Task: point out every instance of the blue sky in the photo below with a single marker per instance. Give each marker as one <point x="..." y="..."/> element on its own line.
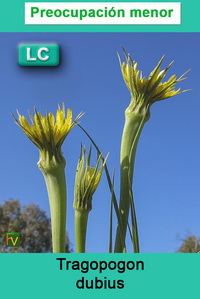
<point x="167" y="169"/>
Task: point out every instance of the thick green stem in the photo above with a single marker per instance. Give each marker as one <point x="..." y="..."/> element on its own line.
<point x="81" y="218"/>
<point x="134" y="122"/>
<point x="56" y="187"/>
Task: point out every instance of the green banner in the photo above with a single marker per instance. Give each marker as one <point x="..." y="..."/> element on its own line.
<point x="13" y="20"/>
<point x="100" y="275"/>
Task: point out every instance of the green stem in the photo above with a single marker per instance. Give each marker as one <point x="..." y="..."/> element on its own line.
<point x="56" y="188"/>
<point x="81" y="218"/>
<point x="134" y="122"/>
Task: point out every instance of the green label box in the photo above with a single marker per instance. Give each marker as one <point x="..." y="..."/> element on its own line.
<point x="12" y="239"/>
<point x="38" y="55"/>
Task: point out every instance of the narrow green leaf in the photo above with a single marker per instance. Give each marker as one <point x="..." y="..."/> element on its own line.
<point x="111" y="217"/>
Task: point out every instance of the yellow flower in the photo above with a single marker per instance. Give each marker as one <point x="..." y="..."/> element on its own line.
<point x="87" y="180"/>
<point x="48" y="132"/>
<point x="146" y="91"/>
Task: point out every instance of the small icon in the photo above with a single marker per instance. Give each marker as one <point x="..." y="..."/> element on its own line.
<point x="12" y="239"/>
<point x="38" y="54"/>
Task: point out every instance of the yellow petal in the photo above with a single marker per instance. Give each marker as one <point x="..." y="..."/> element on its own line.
<point x="24" y="123"/>
<point x="60" y="118"/>
<point x="69" y="117"/>
<point x="51" y="120"/>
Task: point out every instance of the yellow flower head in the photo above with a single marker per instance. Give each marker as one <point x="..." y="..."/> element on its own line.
<point x="87" y="180"/>
<point x="146" y="91"/>
<point x="48" y="132"/>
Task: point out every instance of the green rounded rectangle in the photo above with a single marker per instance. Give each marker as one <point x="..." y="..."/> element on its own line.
<point x="38" y="55"/>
